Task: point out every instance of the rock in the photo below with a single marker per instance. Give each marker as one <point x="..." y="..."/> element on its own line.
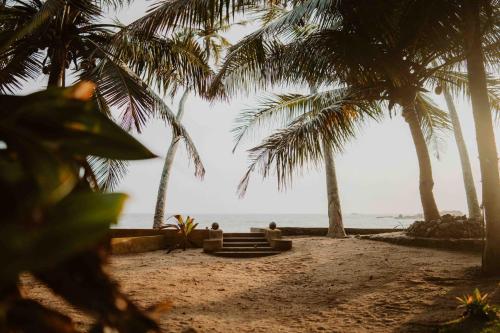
<point x="443" y="225"/>
<point x="448" y="227"/>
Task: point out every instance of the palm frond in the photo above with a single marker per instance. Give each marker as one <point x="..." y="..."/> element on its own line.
<point x="18" y="67"/>
<point x="300" y="143"/>
<point x="280" y="110"/>
<point x="47" y="10"/>
<point x="164" y="16"/>
<point x="108" y="173"/>
<point x="434" y="122"/>
<point x="163" y="62"/>
<point x="119" y="87"/>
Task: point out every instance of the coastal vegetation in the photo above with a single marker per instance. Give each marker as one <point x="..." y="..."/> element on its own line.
<point x="65" y="148"/>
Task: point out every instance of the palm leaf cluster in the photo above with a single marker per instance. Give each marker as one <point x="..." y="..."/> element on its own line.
<point x="69" y="37"/>
<point x="324" y="43"/>
<point x="306" y="120"/>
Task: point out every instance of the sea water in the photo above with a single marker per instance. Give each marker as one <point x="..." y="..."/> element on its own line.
<point x="243" y="222"/>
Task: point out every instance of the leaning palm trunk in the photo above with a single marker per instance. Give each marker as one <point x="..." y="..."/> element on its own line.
<point x="429" y="206"/>
<point x="159" y="216"/>
<point x="485" y="136"/>
<point x="335" y="223"/>
<point x="470" y="188"/>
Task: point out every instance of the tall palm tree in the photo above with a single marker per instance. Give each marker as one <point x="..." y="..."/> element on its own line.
<point x="470" y="188"/>
<point x="454" y="83"/>
<point x="213" y="44"/>
<point x="161" y="198"/>
<point x="71" y="41"/>
<point x="474" y="38"/>
<point x="335" y="220"/>
<point x="284" y="110"/>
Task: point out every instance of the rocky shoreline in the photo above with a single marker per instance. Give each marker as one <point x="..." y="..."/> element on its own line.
<point x="447" y="227"/>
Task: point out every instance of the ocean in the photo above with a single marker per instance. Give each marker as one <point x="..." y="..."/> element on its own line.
<point x="243" y="222"/>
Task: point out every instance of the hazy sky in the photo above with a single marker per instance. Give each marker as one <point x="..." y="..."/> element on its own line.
<point x="377" y="173"/>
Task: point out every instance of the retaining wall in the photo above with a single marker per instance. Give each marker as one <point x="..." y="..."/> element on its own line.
<point x="304" y="231"/>
<point x="143" y="240"/>
<point x="462" y="244"/>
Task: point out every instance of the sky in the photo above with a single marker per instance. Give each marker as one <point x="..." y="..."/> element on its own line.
<point x="377" y="172"/>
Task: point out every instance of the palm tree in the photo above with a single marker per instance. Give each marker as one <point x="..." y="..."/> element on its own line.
<point x="159" y="216"/>
<point x="69" y="39"/>
<point x="474" y="39"/>
<point x="335" y="221"/>
<point x="285" y="110"/>
<point x="470" y="188"/>
<point x="213" y="43"/>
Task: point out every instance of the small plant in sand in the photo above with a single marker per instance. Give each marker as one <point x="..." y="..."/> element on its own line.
<point x="184" y="228"/>
<point x="476" y="306"/>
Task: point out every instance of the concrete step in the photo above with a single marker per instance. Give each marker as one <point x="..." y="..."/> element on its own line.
<point x="243" y="234"/>
<point x="252" y="254"/>
<point x="246" y="249"/>
<point x="245" y="244"/>
<point x="244" y="239"/>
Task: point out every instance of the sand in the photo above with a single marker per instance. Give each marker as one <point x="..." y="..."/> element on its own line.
<point x="322" y="285"/>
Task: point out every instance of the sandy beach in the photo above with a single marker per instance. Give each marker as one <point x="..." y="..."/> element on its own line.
<point x="322" y="285"/>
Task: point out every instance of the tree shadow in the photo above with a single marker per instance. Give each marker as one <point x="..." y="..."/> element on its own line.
<point x="309" y="297"/>
<point x="438" y="312"/>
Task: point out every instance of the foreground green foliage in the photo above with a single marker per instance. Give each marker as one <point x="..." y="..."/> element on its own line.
<point x="479" y="316"/>
<point x="53" y="225"/>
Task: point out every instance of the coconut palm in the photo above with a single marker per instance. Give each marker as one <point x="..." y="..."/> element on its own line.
<point x="161" y="198"/>
<point x="474" y="33"/>
<point x="468" y="178"/>
<point x="72" y="42"/>
<point x="335" y="220"/>
<point x="213" y="43"/>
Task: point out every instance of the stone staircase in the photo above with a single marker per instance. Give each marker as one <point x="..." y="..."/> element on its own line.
<point x="245" y="245"/>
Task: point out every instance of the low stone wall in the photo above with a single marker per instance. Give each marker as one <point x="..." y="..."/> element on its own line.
<point x="115" y="233"/>
<point x="400" y="238"/>
<point x="303" y="231"/>
<point x="143" y="240"/>
<point x="124" y="245"/>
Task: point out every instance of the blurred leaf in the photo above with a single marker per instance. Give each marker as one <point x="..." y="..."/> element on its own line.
<point x="42" y="173"/>
<point x="42" y="319"/>
<point x="84" y="131"/>
<point x="74" y="224"/>
<point x="82" y="281"/>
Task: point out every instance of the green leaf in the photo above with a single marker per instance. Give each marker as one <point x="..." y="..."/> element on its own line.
<point x="82" y="131"/>
<point x="73" y="225"/>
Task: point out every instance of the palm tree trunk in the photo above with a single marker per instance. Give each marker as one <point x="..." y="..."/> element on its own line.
<point x="470" y="188"/>
<point x="335" y="223"/>
<point x="485" y="136"/>
<point x="159" y="216"/>
<point x="57" y="68"/>
<point x="429" y="206"/>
